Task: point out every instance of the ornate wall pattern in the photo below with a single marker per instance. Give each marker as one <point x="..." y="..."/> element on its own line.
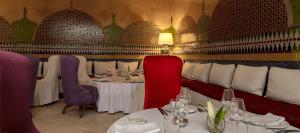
<point x="6" y="33"/>
<point x="140" y="33"/>
<point x="240" y="18"/>
<point x="69" y="26"/>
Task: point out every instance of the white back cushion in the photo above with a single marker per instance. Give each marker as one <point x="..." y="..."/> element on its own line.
<point x="187" y="70"/>
<point x="122" y="66"/>
<point x="201" y="72"/>
<point x="284" y="85"/>
<point x="89" y="67"/>
<point x="103" y="66"/>
<point x="221" y="74"/>
<point x="250" y="79"/>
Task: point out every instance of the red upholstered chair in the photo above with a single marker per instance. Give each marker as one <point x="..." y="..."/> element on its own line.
<point x="16" y="82"/>
<point x="162" y="80"/>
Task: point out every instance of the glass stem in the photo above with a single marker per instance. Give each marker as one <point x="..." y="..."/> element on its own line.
<point x="237" y="127"/>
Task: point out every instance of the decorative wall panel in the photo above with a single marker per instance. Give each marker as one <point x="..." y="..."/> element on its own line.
<point x="140" y="33"/>
<point x="69" y="26"/>
<point x="6" y="33"/>
<point x="239" y="18"/>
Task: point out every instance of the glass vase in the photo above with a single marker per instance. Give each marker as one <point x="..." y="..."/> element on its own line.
<point x="213" y="128"/>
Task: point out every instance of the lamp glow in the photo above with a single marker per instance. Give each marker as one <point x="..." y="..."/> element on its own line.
<point x="165" y="39"/>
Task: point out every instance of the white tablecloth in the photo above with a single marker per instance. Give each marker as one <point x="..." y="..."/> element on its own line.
<point x="116" y="95"/>
<point x="197" y="123"/>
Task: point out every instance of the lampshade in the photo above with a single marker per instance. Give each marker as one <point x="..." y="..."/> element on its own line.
<point x="165" y="39"/>
<point x="188" y="37"/>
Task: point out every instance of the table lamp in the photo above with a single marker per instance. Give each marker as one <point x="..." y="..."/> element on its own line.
<point x="165" y="39"/>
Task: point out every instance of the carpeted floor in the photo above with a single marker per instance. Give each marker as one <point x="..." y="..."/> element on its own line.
<point x="48" y="119"/>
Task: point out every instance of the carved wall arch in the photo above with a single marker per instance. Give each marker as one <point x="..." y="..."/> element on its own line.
<point x="69" y="26"/>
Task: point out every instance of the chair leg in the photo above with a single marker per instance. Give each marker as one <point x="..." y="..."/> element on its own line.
<point x="65" y="109"/>
<point x="81" y="111"/>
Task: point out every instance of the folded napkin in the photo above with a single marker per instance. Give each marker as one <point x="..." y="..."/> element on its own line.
<point x="137" y="79"/>
<point x="273" y="120"/>
<point x="267" y="120"/>
<point x="137" y="128"/>
<point x="102" y="80"/>
<point x="100" y="76"/>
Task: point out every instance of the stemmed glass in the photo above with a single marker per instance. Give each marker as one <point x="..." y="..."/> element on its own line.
<point x="237" y="111"/>
<point x="228" y="95"/>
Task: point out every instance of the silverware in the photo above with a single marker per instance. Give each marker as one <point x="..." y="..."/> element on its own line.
<point x="286" y="131"/>
<point x="201" y="108"/>
<point x="163" y="112"/>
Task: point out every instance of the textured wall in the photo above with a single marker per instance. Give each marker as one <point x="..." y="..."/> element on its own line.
<point x="232" y="18"/>
<point x="127" y="11"/>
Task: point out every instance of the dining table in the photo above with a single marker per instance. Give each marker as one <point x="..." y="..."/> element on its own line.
<point x="116" y="93"/>
<point x="197" y="123"/>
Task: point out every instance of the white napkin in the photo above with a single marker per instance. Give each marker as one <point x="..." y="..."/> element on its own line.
<point x="267" y="120"/>
<point x="137" y="128"/>
<point x="137" y="79"/>
<point x="273" y="120"/>
<point x="102" y="80"/>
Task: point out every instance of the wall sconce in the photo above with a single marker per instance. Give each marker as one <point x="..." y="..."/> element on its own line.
<point x="165" y="39"/>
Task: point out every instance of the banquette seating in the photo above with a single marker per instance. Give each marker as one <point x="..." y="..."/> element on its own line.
<point x="265" y="86"/>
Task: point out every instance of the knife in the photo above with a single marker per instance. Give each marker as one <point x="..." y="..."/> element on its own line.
<point x="162" y="111"/>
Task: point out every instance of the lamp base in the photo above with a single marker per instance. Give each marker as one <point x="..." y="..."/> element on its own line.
<point x="165" y="49"/>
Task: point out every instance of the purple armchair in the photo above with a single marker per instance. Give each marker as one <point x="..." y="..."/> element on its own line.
<point x="74" y="93"/>
<point x="16" y="79"/>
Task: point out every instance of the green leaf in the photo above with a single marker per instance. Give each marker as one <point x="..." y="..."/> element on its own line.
<point x="220" y="116"/>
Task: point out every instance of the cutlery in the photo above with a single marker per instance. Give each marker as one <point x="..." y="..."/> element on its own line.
<point x="163" y="112"/>
<point x="286" y="131"/>
<point x="201" y="108"/>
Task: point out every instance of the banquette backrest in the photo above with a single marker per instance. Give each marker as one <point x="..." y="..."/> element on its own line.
<point x="269" y="64"/>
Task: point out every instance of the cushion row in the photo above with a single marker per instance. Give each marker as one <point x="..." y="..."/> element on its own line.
<point x="282" y="85"/>
<point x="101" y="67"/>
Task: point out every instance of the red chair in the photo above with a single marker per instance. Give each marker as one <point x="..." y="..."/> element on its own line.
<point x="16" y="82"/>
<point x="162" y="80"/>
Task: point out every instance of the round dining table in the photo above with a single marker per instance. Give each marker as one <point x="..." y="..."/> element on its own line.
<point x="197" y="123"/>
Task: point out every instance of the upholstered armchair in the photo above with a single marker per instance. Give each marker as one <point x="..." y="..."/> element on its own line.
<point x="82" y="71"/>
<point x="74" y="93"/>
<point x="46" y="90"/>
<point x="16" y="82"/>
<point x="162" y="80"/>
<point x="35" y="68"/>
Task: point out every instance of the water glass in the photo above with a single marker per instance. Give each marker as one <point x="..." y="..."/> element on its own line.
<point x="228" y="95"/>
<point x="237" y="111"/>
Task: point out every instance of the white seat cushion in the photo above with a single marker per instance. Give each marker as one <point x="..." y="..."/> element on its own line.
<point x="187" y="70"/>
<point x="221" y="74"/>
<point x="250" y="79"/>
<point x="122" y="66"/>
<point x="102" y="67"/>
<point x="89" y="67"/>
<point x="284" y="85"/>
<point x="201" y="72"/>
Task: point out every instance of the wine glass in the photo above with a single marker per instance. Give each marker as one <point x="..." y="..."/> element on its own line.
<point x="228" y="95"/>
<point x="237" y="111"/>
<point x="109" y="73"/>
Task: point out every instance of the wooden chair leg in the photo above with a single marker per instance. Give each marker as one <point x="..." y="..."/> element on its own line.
<point x="81" y="111"/>
<point x="65" y="109"/>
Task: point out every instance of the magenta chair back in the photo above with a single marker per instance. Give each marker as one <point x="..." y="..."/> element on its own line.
<point x="16" y="82"/>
